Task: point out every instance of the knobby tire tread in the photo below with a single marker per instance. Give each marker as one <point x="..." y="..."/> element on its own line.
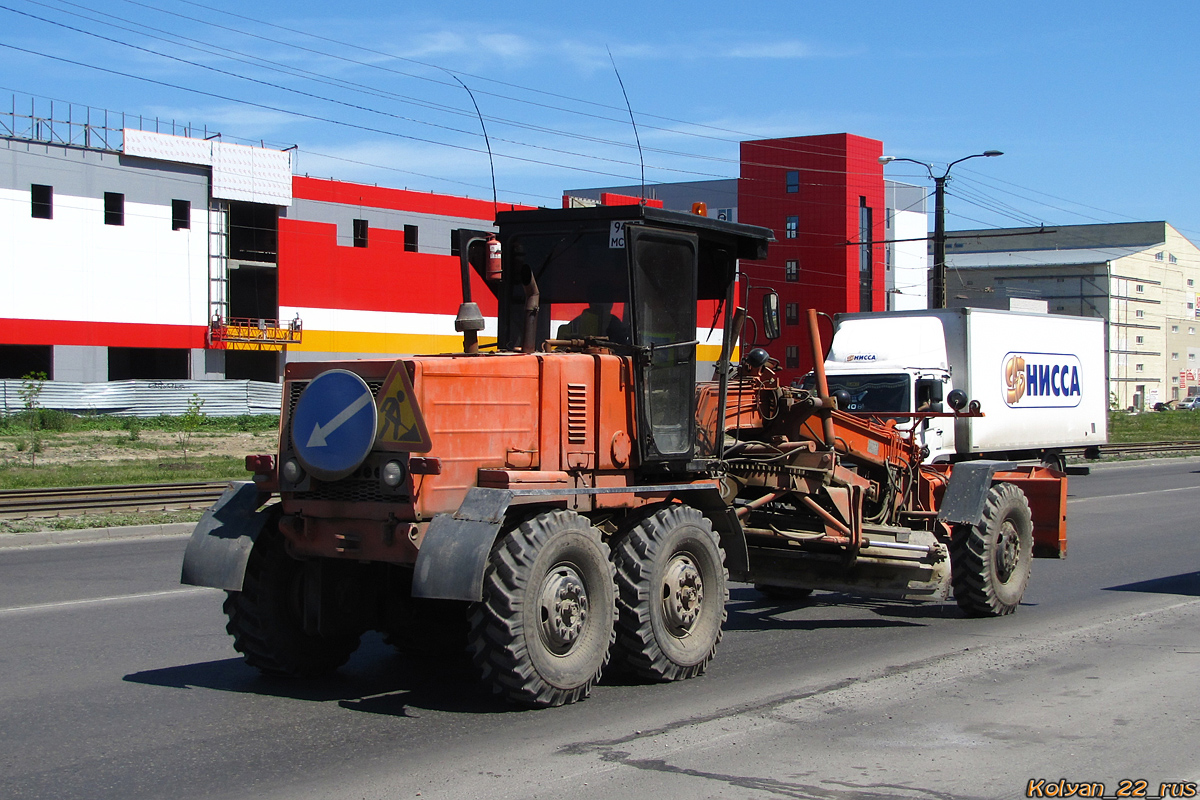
<point x="972" y="576"/>
<point x="499" y="643"/>
<point x="270" y="639"/>
<point x="637" y="648"/>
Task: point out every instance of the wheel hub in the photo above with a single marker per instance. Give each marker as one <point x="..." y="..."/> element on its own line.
<point x="683" y="594"/>
<point x="564" y="608"/>
<point x="1008" y="549"/>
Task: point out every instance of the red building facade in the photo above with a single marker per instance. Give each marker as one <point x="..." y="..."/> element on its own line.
<point x="823" y="196"/>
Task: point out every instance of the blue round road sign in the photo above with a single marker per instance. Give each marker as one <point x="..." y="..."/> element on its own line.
<point x="333" y="426"/>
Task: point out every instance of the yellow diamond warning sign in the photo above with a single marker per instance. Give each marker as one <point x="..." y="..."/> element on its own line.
<point x="400" y="426"/>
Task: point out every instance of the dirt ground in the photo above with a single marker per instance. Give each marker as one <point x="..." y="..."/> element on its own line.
<point x="115" y="446"/>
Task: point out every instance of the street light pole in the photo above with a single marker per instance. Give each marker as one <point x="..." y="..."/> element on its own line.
<point x="939" y="242"/>
<point x="939" y="222"/>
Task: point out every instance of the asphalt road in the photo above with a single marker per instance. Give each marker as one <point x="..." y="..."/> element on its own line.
<point x="116" y="682"/>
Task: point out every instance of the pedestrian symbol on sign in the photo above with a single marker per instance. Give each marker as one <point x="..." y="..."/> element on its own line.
<point x="401" y="426"/>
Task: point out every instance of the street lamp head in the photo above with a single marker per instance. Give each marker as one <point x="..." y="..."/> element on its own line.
<point x="991" y="153"/>
<point x="886" y="159"/>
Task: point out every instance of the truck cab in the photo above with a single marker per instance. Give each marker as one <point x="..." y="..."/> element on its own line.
<point x="880" y="371"/>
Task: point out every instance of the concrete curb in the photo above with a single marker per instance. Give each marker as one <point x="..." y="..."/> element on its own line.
<point x="37" y="538"/>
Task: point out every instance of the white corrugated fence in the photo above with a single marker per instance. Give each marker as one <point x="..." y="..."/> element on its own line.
<point x="141" y="398"/>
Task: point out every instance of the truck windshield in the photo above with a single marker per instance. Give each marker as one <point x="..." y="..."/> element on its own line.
<point x="869" y="393"/>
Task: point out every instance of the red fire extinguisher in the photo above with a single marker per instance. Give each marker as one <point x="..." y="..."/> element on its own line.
<point x="493" y="272"/>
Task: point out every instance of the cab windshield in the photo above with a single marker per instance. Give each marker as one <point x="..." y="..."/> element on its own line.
<point x="870" y="393"/>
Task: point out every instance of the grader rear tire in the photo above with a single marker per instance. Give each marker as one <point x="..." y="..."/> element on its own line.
<point x="265" y="617"/>
<point x="991" y="561"/>
<point x="672" y="591"/>
<point x="542" y="633"/>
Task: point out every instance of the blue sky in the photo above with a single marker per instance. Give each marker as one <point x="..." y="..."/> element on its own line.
<point x="1094" y="104"/>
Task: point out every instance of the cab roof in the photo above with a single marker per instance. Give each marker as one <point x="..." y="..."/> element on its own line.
<point x="750" y="241"/>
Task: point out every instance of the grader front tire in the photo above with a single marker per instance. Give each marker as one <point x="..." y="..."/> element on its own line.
<point x="542" y="633"/>
<point x="672" y="591"/>
<point x="991" y="561"/>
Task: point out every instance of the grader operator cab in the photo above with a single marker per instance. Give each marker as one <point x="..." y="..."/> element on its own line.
<point x="578" y="495"/>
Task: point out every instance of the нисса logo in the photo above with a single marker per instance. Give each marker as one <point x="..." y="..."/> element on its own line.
<point x="1041" y="380"/>
<point x="862" y="357"/>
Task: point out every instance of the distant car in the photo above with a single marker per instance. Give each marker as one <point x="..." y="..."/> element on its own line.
<point x="1189" y="403"/>
<point x="1167" y="406"/>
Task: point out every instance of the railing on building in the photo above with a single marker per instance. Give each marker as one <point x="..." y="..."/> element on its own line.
<point x="253" y="334"/>
<point x="75" y="125"/>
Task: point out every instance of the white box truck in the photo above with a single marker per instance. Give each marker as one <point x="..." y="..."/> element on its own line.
<point x="1039" y="378"/>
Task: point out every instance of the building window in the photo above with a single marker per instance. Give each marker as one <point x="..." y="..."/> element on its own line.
<point x="1139" y="288"/>
<point x="1191" y="306"/>
<point x="1191" y="282"/>
<point x="410" y="238"/>
<point x="1191" y="356"/>
<point x="1191" y="331"/>
<point x="1174" y="329"/>
<point x="791" y="271"/>
<point x="792" y="357"/>
<point x="1174" y="356"/>
<point x="793" y="225"/>
<point x="360" y="234"/>
<point x="1139" y="339"/>
<point x="1140" y="314"/>
<point x="791" y="313"/>
<point x="114" y="208"/>
<point x="793" y="181"/>
<point x="181" y="215"/>
<point x="1138" y="368"/>
<point x="41" y="200"/>
<point x="1158" y="256"/>
<point x="1171" y="258"/>
<point x="866" y="263"/>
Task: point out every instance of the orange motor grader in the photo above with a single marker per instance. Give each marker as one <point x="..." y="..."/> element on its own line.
<point x="577" y="495"/>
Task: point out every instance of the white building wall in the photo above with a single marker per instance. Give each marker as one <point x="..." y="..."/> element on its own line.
<point x="906" y="251"/>
<point x="74" y="267"/>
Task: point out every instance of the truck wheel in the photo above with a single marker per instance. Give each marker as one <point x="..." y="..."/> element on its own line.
<point x="542" y="633"/>
<point x="990" y="561"/>
<point x="671" y="594"/>
<point x="265" y="617"/>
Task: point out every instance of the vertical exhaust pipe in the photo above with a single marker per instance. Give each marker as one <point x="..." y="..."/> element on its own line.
<point x="818" y="356"/>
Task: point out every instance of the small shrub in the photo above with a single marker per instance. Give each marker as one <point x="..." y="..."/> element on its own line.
<point x="31" y="389"/>
<point x="190" y="421"/>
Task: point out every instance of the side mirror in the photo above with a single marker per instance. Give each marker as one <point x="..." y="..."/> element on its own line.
<point x="771" y="316"/>
<point x="929" y="394"/>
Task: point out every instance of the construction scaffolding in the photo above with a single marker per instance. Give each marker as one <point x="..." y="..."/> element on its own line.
<point x="253" y="334"/>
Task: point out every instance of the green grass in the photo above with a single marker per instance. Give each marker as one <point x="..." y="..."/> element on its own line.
<point x="1154" y="426"/>
<point x="85" y="521"/>
<point x="51" y="420"/>
<point x="156" y="470"/>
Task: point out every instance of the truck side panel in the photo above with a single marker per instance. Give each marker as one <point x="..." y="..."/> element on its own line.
<point x="1039" y="378"/>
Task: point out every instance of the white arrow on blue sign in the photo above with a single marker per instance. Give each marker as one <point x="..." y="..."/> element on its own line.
<point x="333" y="425"/>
